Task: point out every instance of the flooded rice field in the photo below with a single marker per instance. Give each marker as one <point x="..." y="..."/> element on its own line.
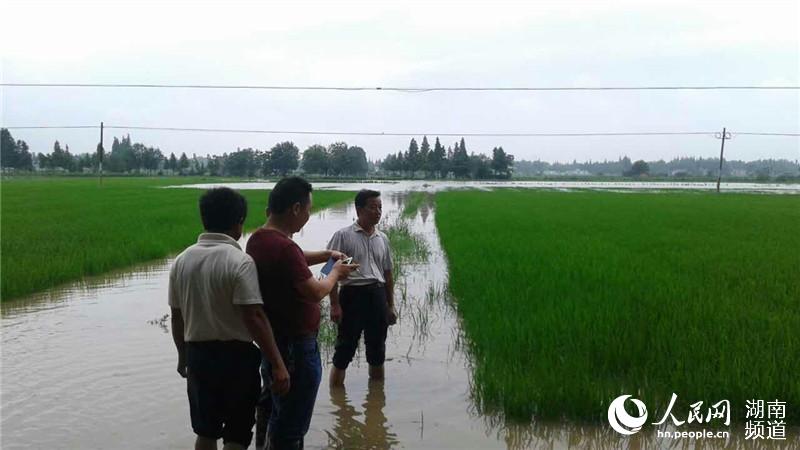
<point x="617" y="186"/>
<point x="93" y="366"/>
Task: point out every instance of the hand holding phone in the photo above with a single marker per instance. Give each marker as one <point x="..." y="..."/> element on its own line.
<point x="326" y="270"/>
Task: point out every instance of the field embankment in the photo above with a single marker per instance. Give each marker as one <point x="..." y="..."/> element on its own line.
<point x="56" y="230"/>
<point x="569" y="300"/>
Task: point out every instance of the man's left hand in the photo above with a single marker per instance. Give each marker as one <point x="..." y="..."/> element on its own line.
<point x="391" y="316"/>
<point x="182" y="366"/>
<point x="337" y="255"/>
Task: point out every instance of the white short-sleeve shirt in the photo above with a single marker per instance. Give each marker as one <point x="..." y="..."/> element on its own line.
<point x="208" y="282"/>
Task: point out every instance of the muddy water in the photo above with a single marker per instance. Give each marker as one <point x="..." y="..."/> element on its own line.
<point x="93" y="366"/>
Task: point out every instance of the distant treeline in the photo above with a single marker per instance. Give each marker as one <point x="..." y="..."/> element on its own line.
<point x="438" y="162"/>
<point x="337" y="160"/>
<point x="128" y="157"/>
<point x="678" y="167"/>
<point x="342" y="160"/>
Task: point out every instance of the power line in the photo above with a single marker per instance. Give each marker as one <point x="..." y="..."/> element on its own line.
<point x="765" y="134"/>
<point x="400" y="89"/>
<point x="385" y="133"/>
<point x="65" y="127"/>
<point x="380" y="133"/>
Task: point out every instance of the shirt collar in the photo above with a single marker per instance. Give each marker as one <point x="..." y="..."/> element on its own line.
<point x="358" y="228"/>
<point x="217" y="238"/>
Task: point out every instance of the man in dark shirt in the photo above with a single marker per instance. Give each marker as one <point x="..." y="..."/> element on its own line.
<point x="291" y="300"/>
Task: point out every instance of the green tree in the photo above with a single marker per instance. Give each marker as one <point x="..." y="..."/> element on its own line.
<point x="638" y="169"/>
<point x="8" y="149"/>
<point x="345" y="160"/>
<point x="316" y="160"/>
<point x="412" y="157"/>
<point x="460" y="163"/>
<point x="480" y="167"/>
<point x="183" y="163"/>
<point x="338" y="157"/>
<point x="436" y="160"/>
<point x="242" y="163"/>
<point x="172" y="162"/>
<point x="123" y="156"/>
<point x="151" y="159"/>
<point x="215" y="165"/>
<point x="501" y="163"/>
<point x="424" y="154"/>
<point x="357" y="161"/>
<point x="14" y="154"/>
<point x="61" y="158"/>
<point x="284" y="157"/>
<point x="24" y="156"/>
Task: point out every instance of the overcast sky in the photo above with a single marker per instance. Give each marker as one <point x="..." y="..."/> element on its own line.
<point x="408" y="44"/>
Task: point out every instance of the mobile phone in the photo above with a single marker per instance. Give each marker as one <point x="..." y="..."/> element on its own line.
<point x="331" y="261"/>
<point x="328" y="266"/>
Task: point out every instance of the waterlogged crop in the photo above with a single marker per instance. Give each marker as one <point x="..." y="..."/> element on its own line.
<point x="569" y="300"/>
<point x="56" y="230"/>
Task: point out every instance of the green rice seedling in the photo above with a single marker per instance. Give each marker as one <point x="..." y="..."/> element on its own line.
<point x="412" y="203"/>
<point x="406" y="245"/>
<point x="569" y="300"/>
<point x="56" y="230"/>
<point x="327" y="332"/>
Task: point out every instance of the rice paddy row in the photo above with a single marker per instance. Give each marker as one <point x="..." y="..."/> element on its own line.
<point x="57" y="230"/>
<point x="569" y="300"/>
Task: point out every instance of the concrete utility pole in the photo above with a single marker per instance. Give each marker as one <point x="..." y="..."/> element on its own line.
<point x="101" y="154"/>
<point x="723" y="136"/>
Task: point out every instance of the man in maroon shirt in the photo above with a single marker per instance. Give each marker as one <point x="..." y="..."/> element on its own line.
<point x="291" y="300"/>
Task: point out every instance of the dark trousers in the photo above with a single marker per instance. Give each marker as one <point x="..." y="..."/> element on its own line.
<point x="290" y="414"/>
<point x="364" y="309"/>
<point x="223" y="386"/>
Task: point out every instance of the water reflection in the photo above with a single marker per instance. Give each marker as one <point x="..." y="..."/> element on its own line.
<point x="369" y="429"/>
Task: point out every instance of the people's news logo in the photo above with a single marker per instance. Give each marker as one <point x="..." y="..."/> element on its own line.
<point x="621" y="421"/>
<point x="765" y="420"/>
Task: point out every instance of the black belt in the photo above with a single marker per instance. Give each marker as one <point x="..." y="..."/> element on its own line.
<point x="374" y="285"/>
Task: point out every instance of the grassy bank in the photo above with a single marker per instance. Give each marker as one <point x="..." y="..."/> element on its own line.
<point x="56" y="230"/>
<point x="569" y="300"/>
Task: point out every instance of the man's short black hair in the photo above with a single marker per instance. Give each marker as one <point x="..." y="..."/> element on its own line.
<point x="221" y="209"/>
<point x="286" y="193"/>
<point x="364" y="195"/>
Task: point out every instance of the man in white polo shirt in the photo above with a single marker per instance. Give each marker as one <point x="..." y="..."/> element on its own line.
<point x="216" y="314"/>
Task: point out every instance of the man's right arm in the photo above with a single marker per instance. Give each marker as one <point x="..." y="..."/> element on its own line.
<point x="177" y="337"/>
<point x="256" y="322"/>
<point x="176" y="320"/>
<point x="316" y="290"/>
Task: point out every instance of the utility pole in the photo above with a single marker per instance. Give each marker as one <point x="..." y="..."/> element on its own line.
<point x="723" y="136"/>
<point x="101" y="153"/>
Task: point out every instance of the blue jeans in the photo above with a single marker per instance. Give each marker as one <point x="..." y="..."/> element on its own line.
<point x="290" y="414"/>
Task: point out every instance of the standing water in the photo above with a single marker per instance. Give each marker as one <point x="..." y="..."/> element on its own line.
<point x="93" y="366"/>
